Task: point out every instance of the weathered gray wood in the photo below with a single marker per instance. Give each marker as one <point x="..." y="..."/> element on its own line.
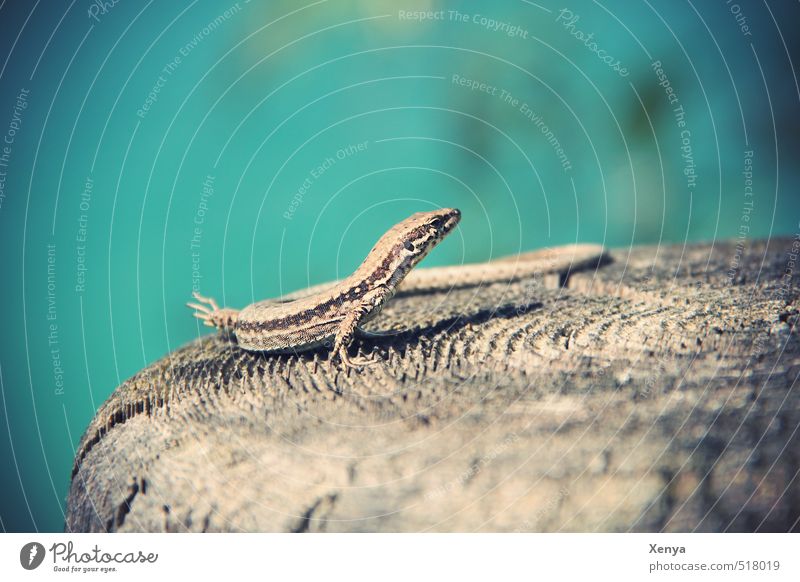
<point x="656" y="392"/>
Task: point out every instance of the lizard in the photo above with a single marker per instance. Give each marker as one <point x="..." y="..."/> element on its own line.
<point x="337" y="310"/>
<point x="311" y="321"/>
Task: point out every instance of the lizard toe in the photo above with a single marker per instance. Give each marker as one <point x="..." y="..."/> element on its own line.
<point x="366" y="361"/>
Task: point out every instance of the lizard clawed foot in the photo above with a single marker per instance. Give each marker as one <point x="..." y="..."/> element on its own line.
<point x="349" y="362"/>
<point x="212" y="314"/>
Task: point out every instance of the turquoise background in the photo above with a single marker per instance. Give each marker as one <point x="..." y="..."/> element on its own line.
<point x="267" y="92"/>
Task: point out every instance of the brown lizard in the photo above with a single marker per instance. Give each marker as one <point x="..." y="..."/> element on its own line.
<point x="336" y="312"/>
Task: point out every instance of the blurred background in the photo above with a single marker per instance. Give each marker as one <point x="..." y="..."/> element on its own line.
<point x="247" y="149"/>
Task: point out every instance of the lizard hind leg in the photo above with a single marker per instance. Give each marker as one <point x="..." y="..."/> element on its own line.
<point x="212" y="314"/>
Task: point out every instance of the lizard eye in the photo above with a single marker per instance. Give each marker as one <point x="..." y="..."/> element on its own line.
<point x="409" y="246"/>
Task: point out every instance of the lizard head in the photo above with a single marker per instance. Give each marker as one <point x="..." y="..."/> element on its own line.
<point x="409" y="241"/>
<point x="427" y="229"/>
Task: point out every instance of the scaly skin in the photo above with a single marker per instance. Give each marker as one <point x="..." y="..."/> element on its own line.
<point x="338" y="311"/>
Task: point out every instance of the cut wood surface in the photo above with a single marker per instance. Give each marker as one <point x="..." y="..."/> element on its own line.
<point x="654" y="391"/>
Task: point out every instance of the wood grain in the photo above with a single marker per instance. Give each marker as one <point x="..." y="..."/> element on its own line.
<point x="652" y="392"/>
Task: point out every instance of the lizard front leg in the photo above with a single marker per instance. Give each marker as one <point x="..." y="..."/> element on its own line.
<point x="347" y="329"/>
<point x="212" y="314"/>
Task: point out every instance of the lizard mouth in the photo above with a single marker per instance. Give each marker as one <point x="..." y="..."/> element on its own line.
<point x="450" y="220"/>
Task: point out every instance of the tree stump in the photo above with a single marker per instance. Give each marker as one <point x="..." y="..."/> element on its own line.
<point x="654" y="391"/>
